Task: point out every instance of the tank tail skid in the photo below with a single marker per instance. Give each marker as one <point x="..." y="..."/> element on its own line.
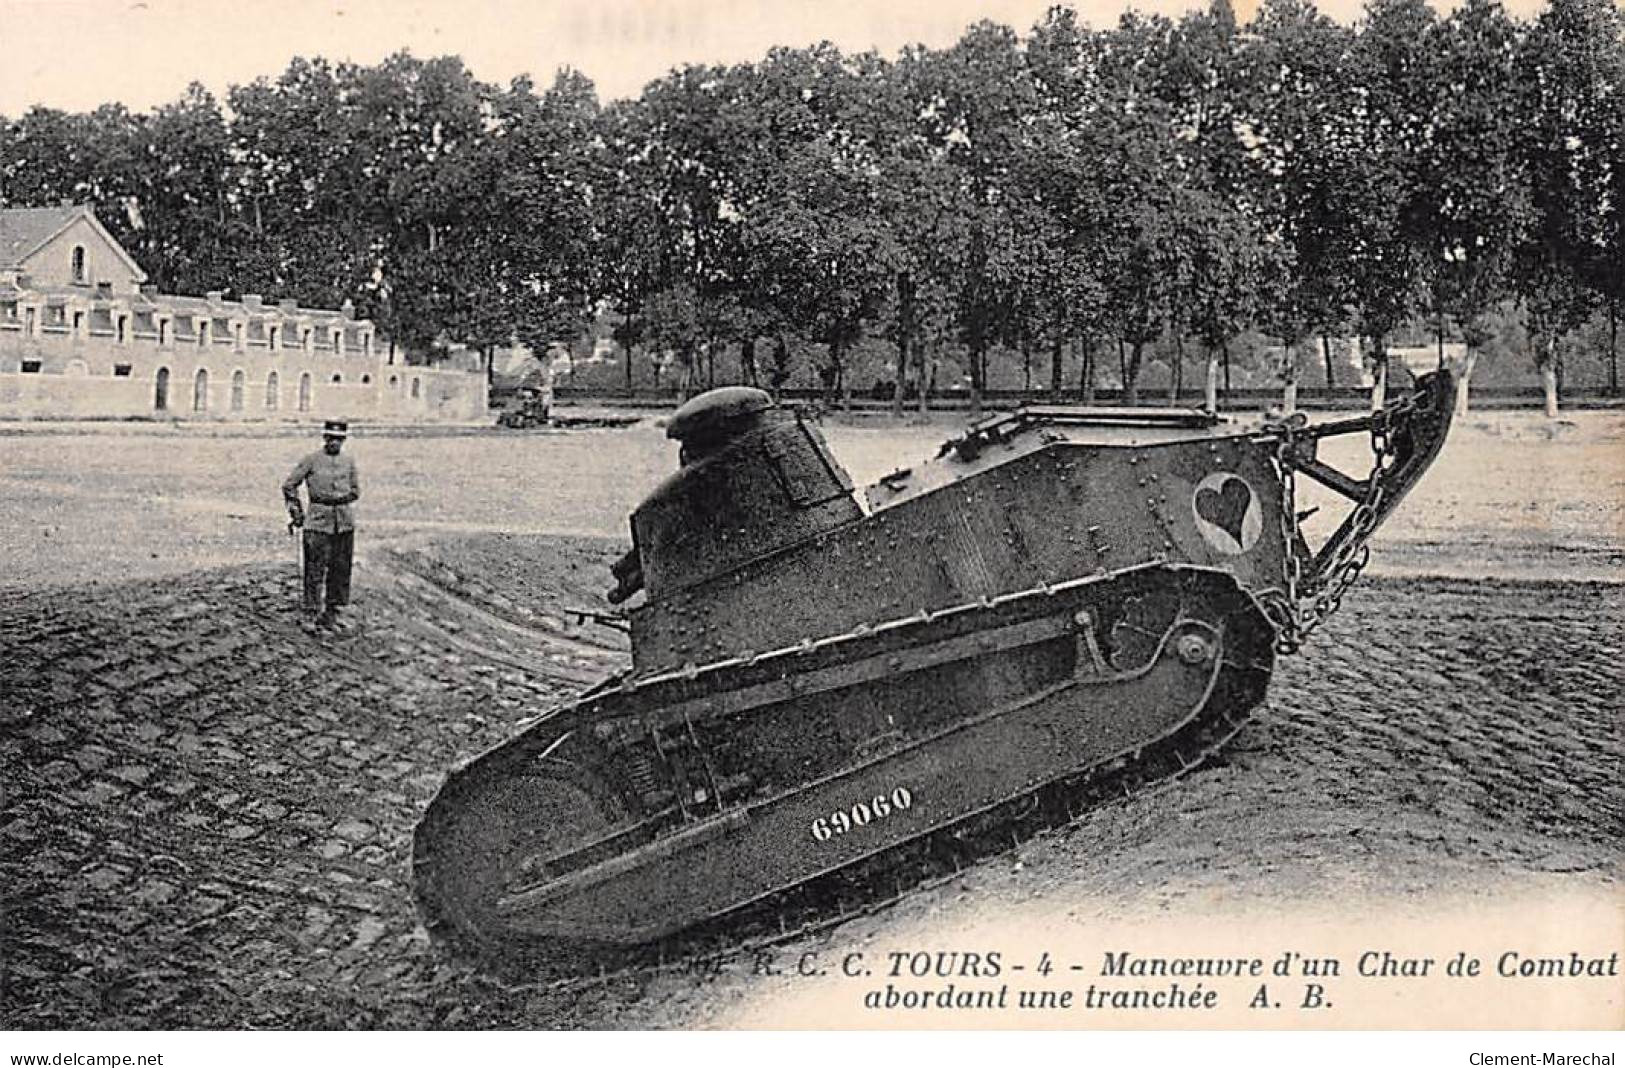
<point x="538" y="850"/>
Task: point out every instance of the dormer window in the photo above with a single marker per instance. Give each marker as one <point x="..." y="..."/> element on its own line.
<point x="79" y="276"/>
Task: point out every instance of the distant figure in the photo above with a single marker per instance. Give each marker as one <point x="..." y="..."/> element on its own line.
<point x="329" y="529"/>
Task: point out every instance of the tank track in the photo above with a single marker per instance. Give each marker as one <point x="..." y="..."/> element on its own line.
<point x="881" y="880"/>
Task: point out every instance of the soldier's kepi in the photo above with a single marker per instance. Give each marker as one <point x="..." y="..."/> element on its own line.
<point x="333" y="484"/>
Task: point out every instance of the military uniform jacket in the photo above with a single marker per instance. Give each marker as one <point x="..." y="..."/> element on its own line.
<point x="332" y="483"/>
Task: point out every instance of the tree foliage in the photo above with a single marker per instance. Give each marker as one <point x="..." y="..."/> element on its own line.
<point x="1068" y="189"/>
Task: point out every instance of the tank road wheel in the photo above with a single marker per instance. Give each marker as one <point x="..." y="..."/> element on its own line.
<point x="490" y="832"/>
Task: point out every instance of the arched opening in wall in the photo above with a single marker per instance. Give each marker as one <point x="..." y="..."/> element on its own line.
<point x="237" y="381"/>
<point x="304" y="392"/>
<point x="200" y="391"/>
<point x="79" y="275"/>
<point x="417" y="388"/>
<point x="160" y="390"/>
<point x="275" y="338"/>
<point x="366" y="380"/>
<point x="273" y="391"/>
<point x="338" y="380"/>
<point x="394" y="382"/>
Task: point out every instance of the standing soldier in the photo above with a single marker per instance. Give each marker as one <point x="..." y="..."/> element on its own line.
<point x="329" y="529"/>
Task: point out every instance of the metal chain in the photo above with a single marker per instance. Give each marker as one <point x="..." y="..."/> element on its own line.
<point x="1304" y="606"/>
<point x="1282" y="608"/>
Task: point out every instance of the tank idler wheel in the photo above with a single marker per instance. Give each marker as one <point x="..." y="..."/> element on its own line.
<point x="488" y="835"/>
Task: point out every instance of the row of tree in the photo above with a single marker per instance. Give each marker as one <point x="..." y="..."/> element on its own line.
<point x="1099" y="191"/>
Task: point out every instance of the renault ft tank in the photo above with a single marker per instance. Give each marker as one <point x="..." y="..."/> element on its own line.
<point x="832" y="689"/>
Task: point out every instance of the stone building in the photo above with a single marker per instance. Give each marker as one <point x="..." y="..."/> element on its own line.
<point x="82" y="334"/>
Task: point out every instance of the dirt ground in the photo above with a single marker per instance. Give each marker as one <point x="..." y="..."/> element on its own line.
<point x="1511" y="495"/>
<point x="206" y="814"/>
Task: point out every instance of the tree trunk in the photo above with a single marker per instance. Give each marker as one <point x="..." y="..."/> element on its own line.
<point x="1026" y="366"/>
<point x="1438" y="330"/>
<point x="1548" y="378"/>
<point x="1464" y="381"/>
<point x="1176" y="381"/>
<point x="1379" y="374"/>
<point x="1131" y="373"/>
<point x="1289" y="378"/>
<point x="1056" y="348"/>
<point x="747" y="360"/>
<point x="905" y="339"/>
<point x="1089" y="376"/>
<point x="1225" y="349"/>
<point x="628" y="345"/>
<point x="685" y="385"/>
<point x="547" y="386"/>
<point x="1613" y="347"/>
<point x="1210" y="394"/>
<point x="976" y="382"/>
<point x="901" y="377"/>
<point x="923" y="361"/>
<point x="1326" y="354"/>
<point x="1122" y="369"/>
<point x="781" y="364"/>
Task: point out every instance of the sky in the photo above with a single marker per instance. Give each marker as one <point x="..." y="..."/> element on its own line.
<point x="78" y="54"/>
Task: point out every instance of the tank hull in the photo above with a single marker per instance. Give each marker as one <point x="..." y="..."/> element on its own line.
<point x="923" y="724"/>
<point x="1038" y="509"/>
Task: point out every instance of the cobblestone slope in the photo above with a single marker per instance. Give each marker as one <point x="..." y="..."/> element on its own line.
<point x="207" y="811"/>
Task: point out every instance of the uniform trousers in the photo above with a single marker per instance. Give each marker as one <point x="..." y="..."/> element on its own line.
<point x="327" y="564"/>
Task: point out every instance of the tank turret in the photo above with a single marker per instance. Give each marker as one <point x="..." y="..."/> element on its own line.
<point x="753" y="478"/>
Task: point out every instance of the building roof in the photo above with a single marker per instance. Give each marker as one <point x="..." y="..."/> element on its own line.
<point x="24" y="230"/>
